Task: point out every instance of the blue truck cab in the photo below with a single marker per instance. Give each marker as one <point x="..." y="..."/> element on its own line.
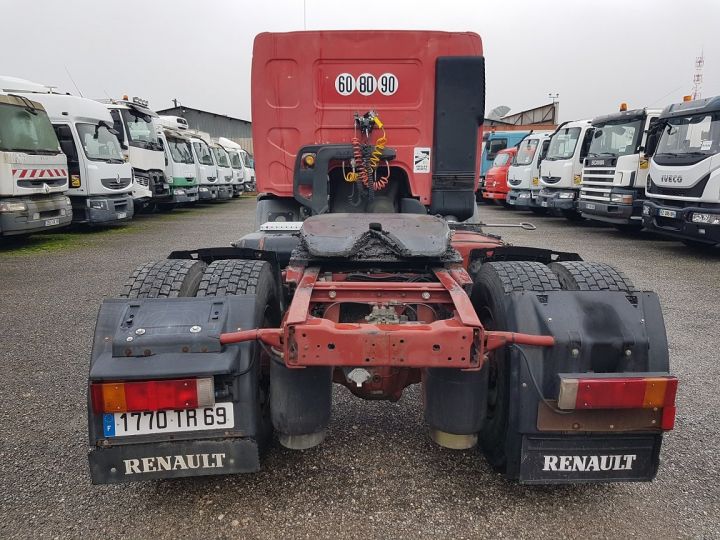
<point x="494" y="142"/>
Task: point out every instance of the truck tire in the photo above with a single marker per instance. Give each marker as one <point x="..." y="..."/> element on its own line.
<point x="590" y="276"/>
<point x="233" y="277"/>
<point x="493" y="282"/>
<point x="171" y="278"/>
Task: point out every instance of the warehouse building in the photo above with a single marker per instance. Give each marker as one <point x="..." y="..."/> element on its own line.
<point x="217" y="125"/>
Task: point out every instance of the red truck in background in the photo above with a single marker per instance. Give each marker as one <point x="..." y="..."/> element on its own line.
<point x="496" y="185"/>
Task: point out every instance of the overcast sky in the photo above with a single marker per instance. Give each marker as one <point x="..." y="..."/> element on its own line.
<point x="594" y="53"/>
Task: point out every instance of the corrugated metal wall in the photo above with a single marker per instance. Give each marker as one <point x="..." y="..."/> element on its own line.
<point x="217" y="125"/>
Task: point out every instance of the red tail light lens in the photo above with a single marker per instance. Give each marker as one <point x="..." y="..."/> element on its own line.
<point x="138" y="396"/>
<point x="598" y="392"/>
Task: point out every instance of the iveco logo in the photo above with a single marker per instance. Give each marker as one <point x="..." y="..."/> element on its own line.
<point x="671" y="179"/>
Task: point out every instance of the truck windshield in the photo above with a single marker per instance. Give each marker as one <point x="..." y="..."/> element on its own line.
<point x="248" y="160"/>
<point x="616" y="139"/>
<point x="203" y="153"/>
<point x="99" y="143"/>
<point x="25" y="131"/>
<point x="221" y="157"/>
<point x="563" y="143"/>
<point x="180" y="150"/>
<point x="235" y="160"/>
<point x="526" y="151"/>
<point x="500" y="160"/>
<point x="697" y="135"/>
<point x="141" y="131"/>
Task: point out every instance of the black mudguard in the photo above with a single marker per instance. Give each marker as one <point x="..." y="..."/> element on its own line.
<point x="602" y="326"/>
<point x="167" y="349"/>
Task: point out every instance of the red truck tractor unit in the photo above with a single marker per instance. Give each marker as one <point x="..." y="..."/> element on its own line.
<point x="496" y="185"/>
<point x="370" y="269"/>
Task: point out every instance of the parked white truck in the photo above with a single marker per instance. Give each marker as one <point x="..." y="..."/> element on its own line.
<point x="683" y="185"/>
<point x="206" y="169"/>
<point x="226" y="176"/>
<point x="616" y="168"/>
<point x="561" y="170"/>
<point x="137" y="132"/>
<point x="180" y="169"/>
<point x="524" y="173"/>
<point x="250" y="168"/>
<point x="100" y="179"/>
<point x="33" y="170"/>
<point x="240" y="172"/>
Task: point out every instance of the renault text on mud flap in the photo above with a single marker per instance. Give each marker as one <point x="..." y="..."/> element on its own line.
<point x="173" y="463"/>
<point x="589" y="463"/>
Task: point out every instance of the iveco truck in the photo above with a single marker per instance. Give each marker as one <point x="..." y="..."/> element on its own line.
<point x="180" y="170"/>
<point x="683" y="185"/>
<point x="561" y="170"/>
<point x="33" y="170"/>
<point x="135" y="124"/>
<point x="524" y="173"/>
<point x="616" y="168"/>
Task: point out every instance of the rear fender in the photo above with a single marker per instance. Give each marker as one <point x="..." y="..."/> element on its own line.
<point x="595" y="331"/>
<point x="174" y="338"/>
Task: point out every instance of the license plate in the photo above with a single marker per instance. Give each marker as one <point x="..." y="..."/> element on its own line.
<point x="122" y="215"/>
<point x="589" y="206"/>
<point x="667" y="213"/>
<point x="544" y="204"/>
<point x="53" y="221"/>
<point x="152" y="423"/>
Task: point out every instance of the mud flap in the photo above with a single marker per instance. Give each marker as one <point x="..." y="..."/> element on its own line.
<point x="177" y="459"/>
<point x="595" y="332"/>
<point x="573" y="459"/>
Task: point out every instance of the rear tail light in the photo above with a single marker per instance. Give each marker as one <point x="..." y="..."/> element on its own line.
<point x="602" y="392"/>
<point x="139" y="396"/>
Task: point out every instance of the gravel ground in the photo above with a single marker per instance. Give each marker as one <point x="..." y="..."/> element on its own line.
<point x="377" y="475"/>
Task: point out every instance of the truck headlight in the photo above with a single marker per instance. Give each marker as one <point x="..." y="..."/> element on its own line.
<point x="566" y="195"/>
<point x="179" y="192"/>
<point x="13" y="206"/>
<point x="523" y="195"/>
<point x="204" y="189"/>
<point x="707" y="219"/>
<point x="621" y="198"/>
<point x="97" y="204"/>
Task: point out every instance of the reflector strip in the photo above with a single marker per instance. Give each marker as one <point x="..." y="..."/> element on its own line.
<point x="139" y="396"/>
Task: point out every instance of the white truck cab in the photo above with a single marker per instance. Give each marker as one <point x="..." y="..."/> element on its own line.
<point x="138" y="137"/>
<point x="524" y="173"/>
<point x="33" y="170"/>
<point x="180" y="169"/>
<point x="561" y="170"/>
<point x="250" y="170"/>
<point x="226" y="175"/>
<point x="100" y="178"/>
<point x="683" y="185"/>
<point x="616" y="167"/>
<point x="240" y="172"/>
<point x="206" y="170"/>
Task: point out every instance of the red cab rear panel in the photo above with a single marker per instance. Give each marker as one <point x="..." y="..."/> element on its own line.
<point x="308" y="85"/>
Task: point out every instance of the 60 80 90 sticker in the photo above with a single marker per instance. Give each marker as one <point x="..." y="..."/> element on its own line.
<point x="366" y="84"/>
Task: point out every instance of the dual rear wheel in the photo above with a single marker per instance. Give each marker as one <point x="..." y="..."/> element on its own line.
<point x="493" y="283"/>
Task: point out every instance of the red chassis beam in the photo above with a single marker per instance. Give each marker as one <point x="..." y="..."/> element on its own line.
<point x="457" y="342"/>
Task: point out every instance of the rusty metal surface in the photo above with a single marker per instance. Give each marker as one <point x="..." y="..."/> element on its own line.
<point x="597" y="420"/>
